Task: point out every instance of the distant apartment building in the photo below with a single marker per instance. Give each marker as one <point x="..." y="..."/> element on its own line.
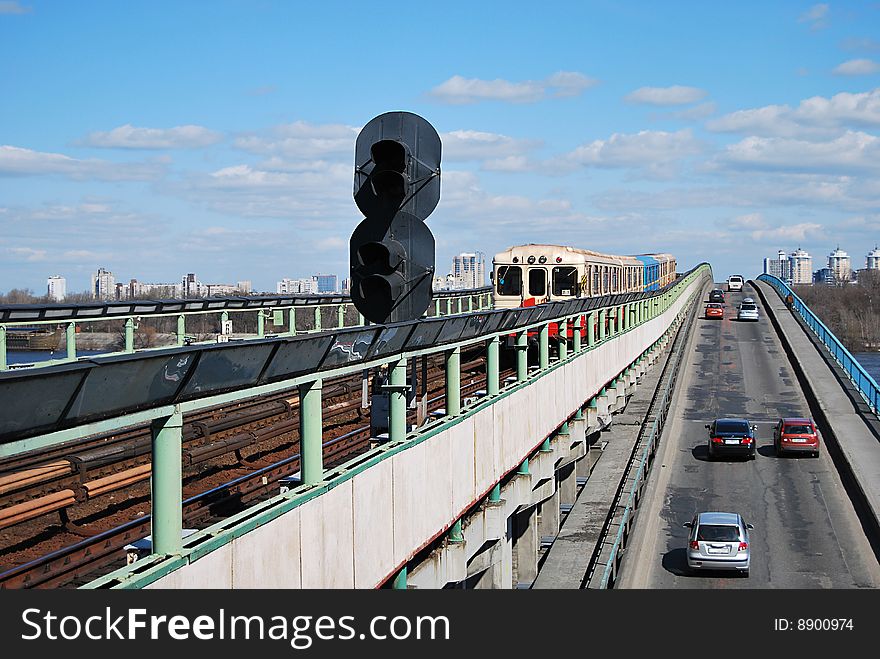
<point x="293" y="286"/>
<point x="346" y="286"/>
<point x="326" y="283"/>
<point x="801" y="264"/>
<point x="444" y="283"/>
<point x="824" y="276"/>
<point x="778" y="267"/>
<point x="872" y="262"/>
<point x="840" y="266"/>
<point x="146" y="291"/>
<point x="56" y="287"/>
<point x="244" y="287"/>
<point x="469" y="270"/>
<point x="103" y="285"/>
<point x="192" y="287"/>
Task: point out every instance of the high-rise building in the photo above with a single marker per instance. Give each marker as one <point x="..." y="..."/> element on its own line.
<point x="840" y="267"/>
<point x="245" y="287"/>
<point x="56" y="288"/>
<point x="801" y="264"/>
<point x="292" y="286"/>
<point x="103" y="285"/>
<point x="346" y="286"/>
<point x="873" y="260"/>
<point x="468" y="270"/>
<point x="778" y="267"/>
<point x="326" y="283"/>
<point x="192" y="287"/>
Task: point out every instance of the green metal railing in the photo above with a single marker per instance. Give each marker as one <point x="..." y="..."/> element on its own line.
<point x="255" y="323"/>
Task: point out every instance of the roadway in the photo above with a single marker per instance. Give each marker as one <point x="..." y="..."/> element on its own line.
<point x="806" y="532"/>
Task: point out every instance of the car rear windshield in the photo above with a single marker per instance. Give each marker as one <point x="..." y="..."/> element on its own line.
<point x="749" y="307"/>
<point x="798" y="430"/>
<point x="718" y="533"/>
<point x="732" y="426"/>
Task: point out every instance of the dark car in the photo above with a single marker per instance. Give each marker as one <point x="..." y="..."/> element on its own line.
<point x="796" y="435"/>
<point x="716" y="295"/>
<point x="732" y="437"/>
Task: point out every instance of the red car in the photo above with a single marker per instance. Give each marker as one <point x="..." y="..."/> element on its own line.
<point x="796" y="435"/>
<point x="714" y="310"/>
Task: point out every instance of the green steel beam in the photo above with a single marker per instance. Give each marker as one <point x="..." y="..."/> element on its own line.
<point x="400" y="580"/>
<point x="397" y="405"/>
<point x="181" y="329"/>
<point x="493" y="366"/>
<point x="167" y="484"/>
<point x="129" y="334"/>
<point x="495" y="493"/>
<point x="71" y="340"/>
<point x="522" y="355"/>
<point x="603" y="315"/>
<point x="311" y="425"/>
<point x="3" y="364"/>
<point x="576" y="334"/>
<point x="563" y="340"/>
<point x="544" y="346"/>
<point x="453" y="382"/>
<point x="591" y="329"/>
<point x="455" y="534"/>
<point x="318" y="319"/>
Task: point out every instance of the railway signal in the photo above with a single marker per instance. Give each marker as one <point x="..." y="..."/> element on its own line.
<point x="396" y="187"/>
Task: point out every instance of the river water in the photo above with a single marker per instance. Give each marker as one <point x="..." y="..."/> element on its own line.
<point x="870" y="361"/>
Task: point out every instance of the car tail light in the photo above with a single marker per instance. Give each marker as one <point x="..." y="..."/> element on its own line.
<point x="747" y="440"/>
<point x="743" y="546"/>
<point x="693" y="544"/>
<point x="717" y="440"/>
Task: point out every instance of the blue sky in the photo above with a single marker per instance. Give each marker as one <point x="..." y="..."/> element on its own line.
<point x="159" y="138"/>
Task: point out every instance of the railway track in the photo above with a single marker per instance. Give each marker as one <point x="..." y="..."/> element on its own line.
<point x="214" y="491"/>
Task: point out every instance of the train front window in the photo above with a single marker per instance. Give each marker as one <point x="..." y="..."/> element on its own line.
<point x="509" y="280"/>
<point x="565" y="281"/>
<point x="537" y="281"/>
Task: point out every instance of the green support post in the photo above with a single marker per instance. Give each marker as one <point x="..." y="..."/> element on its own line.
<point x="453" y="382"/>
<point x="437" y="307"/>
<point x="291" y="321"/>
<point x="399" y="582"/>
<point x="397" y="405"/>
<point x="591" y="329"/>
<point x="522" y="355"/>
<point x="576" y="334"/>
<point x="523" y="467"/>
<point x="563" y="340"/>
<point x="167" y="484"/>
<point x="602" y="318"/>
<point x="495" y="493"/>
<point x="493" y="368"/>
<point x="455" y="534"/>
<point x="261" y="324"/>
<point x="361" y="320"/>
<point x="311" y="429"/>
<point x="470" y="303"/>
<point x="545" y="446"/>
<point x="3" y="364"/>
<point x="71" y="340"/>
<point x="181" y="329"/>
<point x="449" y="306"/>
<point x="340" y="316"/>
<point x="318" y="318"/>
<point x="578" y="415"/>
<point x="544" y="346"/>
<point x="129" y="335"/>
<point x="622" y="311"/>
<point x="458" y="304"/>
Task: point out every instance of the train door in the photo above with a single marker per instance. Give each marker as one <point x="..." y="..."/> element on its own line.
<point x="537" y="282"/>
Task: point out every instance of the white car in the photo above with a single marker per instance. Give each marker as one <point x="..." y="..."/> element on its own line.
<point x="719" y="541"/>
<point x="747" y="311"/>
<point x="735" y="283"/>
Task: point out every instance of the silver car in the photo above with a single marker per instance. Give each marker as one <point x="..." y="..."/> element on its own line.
<point x="747" y="311"/>
<point x="718" y="541"/>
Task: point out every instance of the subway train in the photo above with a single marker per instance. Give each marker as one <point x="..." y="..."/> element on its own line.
<point x="527" y="275"/>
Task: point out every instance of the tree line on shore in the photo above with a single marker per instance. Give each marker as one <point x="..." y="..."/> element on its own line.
<point x="851" y="311"/>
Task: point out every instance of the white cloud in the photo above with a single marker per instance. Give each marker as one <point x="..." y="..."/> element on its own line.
<point x="853" y="151"/>
<point x="675" y="95"/>
<point x="816" y="16"/>
<point x="477" y="145"/>
<point x="857" y="67"/>
<point x="459" y="90"/>
<point x="302" y="140"/>
<point x="26" y="254"/>
<point x="130" y="137"/>
<point x="16" y="161"/>
<point x="817" y="116"/>
<point x="13" y="7"/>
<point x="653" y="151"/>
<point x="750" y="221"/>
<point x="799" y="233"/>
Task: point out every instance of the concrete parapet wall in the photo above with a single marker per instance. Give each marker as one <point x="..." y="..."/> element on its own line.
<point x="366" y="527"/>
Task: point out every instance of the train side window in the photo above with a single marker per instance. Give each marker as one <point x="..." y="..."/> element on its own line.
<point x="537" y="281"/>
<point x="509" y="280"/>
<point x="565" y="281"/>
<point x="597" y="287"/>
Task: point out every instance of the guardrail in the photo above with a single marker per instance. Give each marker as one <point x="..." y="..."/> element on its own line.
<point x="661" y="409"/>
<point x="219" y="320"/>
<point x="865" y="384"/>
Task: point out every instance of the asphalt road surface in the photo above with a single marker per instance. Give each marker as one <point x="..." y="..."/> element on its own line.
<point x="806" y="533"/>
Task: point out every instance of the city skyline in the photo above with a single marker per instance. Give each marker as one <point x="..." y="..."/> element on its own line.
<point x="216" y="152"/>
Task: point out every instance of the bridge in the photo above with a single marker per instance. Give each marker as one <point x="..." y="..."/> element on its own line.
<point x="539" y="463"/>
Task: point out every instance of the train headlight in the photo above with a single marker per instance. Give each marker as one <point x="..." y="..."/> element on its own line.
<point x="531" y="259"/>
<point x="543" y="259"/>
<point x="516" y="259"/>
